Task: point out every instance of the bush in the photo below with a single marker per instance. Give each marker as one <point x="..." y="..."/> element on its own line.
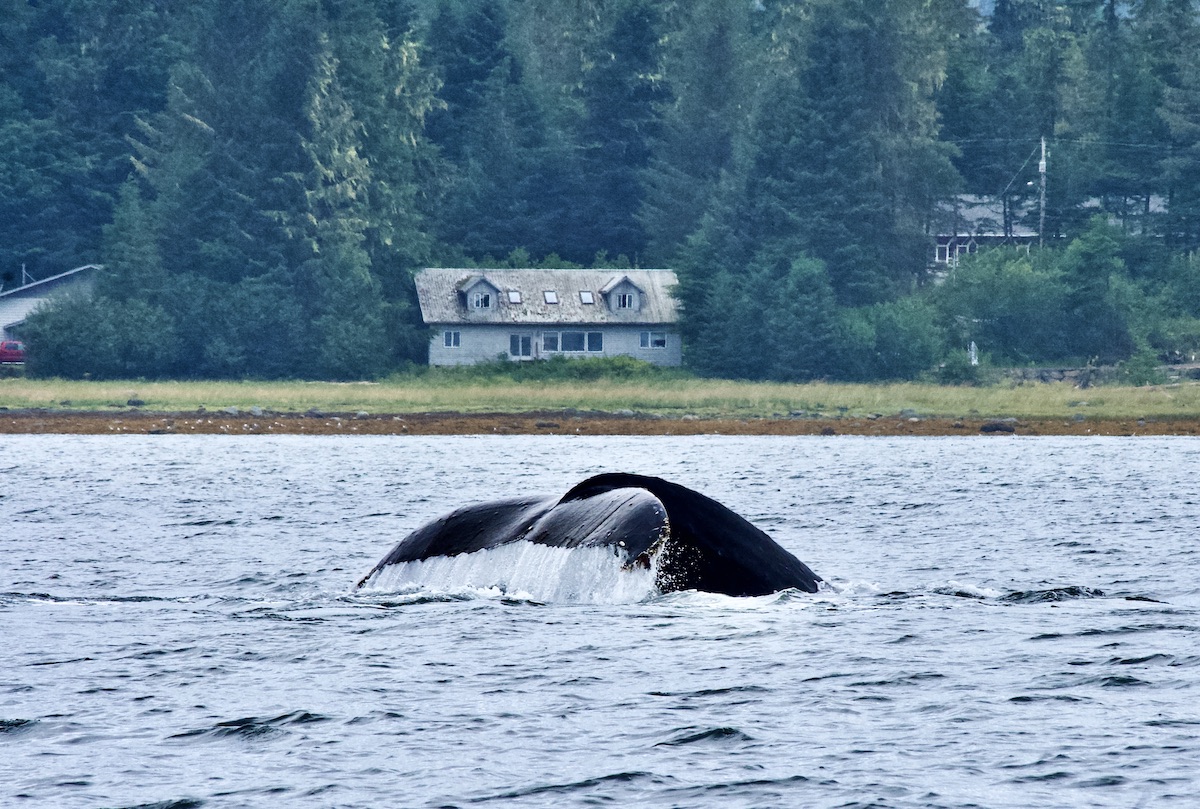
<point x="907" y="339"/>
<point x="78" y="336"/>
<point x="1141" y="369"/>
<point x="1010" y="306"/>
<point x="958" y="370"/>
<point x="560" y="369"/>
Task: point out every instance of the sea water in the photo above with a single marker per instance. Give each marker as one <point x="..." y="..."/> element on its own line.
<point x="1005" y="622"/>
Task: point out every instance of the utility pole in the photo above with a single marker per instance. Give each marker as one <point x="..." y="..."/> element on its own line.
<point x="1042" y="195"/>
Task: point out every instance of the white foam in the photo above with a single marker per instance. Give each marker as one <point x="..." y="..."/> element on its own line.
<point x="524" y="570"/>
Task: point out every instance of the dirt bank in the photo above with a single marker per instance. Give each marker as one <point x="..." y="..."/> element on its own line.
<point x="262" y="422"/>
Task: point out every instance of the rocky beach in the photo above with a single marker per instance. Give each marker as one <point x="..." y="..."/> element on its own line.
<point x="258" y="421"/>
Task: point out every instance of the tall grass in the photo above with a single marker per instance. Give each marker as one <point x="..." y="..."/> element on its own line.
<point x="666" y="393"/>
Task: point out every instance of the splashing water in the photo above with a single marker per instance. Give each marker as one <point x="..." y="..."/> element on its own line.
<point x="524" y="570"/>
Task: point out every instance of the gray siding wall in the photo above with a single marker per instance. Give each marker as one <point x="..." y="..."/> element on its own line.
<point x="479" y="343"/>
<point x="19" y="304"/>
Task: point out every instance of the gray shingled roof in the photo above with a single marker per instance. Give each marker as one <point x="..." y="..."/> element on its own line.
<point x="438" y="291"/>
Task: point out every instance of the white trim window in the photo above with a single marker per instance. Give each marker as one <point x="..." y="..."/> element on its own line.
<point x="520" y="346"/>
<point x="625" y="300"/>
<point x="654" y="339"/>
<point x="574" y="342"/>
<point x="481" y="300"/>
<point x="452" y="339"/>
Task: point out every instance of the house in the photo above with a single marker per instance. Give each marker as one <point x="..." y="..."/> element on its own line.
<point x="18" y="302"/>
<point x="480" y="315"/>
<point x="968" y="222"/>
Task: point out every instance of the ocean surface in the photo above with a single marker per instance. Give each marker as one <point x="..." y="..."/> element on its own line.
<point x="1006" y="622"/>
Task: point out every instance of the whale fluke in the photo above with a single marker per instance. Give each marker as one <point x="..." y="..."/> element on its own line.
<point x="692" y="541"/>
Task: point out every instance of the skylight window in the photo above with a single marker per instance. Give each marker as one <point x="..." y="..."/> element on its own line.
<point x="514" y="296"/>
<point x="586" y="296"/>
<point x="551" y="296"/>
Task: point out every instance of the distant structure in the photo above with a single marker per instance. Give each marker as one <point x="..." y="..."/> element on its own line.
<point x="18" y="302"/>
<point x="965" y="223"/>
<point x="480" y="315"/>
<point x="968" y="222"/>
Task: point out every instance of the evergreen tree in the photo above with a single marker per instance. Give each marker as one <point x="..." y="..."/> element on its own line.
<point x="505" y="176"/>
<point x="804" y="322"/>
<point x="1097" y="327"/>
<point x="1180" y="166"/>
<point x="708" y="58"/>
<point x="623" y="96"/>
<point x="345" y="305"/>
<point x="133" y="264"/>
<point x="1120" y="116"/>
<point x="73" y="75"/>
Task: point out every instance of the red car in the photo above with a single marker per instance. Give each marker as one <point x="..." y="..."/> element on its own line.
<point x="12" y="351"/>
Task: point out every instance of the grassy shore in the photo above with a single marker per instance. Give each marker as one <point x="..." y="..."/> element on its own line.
<point x="668" y="397"/>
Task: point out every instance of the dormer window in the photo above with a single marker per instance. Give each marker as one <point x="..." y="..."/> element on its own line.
<point x="625" y="300"/>
<point x="481" y="300"/>
<point x="550" y="296"/>
<point x="514" y="296"/>
<point x="586" y="297"/>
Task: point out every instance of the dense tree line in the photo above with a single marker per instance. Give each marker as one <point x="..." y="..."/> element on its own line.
<point x="261" y="180"/>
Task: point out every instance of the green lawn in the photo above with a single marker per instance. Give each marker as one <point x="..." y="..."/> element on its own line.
<point x="431" y="392"/>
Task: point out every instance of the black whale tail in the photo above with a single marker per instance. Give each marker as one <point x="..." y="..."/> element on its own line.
<point x="691" y="541"/>
<point x="710" y="547"/>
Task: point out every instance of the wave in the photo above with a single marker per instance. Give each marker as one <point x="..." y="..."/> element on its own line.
<point x="1053" y="594"/>
<point x="251" y="727"/>
<point x="693" y="735"/>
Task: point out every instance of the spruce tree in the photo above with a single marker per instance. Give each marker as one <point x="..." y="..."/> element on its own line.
<point x="623" y="97"/>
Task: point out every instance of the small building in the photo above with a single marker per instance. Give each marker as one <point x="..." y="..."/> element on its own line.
<point x="481" y="315"/>
<point x="17" y="303"/>
<point x="969" y="222"/>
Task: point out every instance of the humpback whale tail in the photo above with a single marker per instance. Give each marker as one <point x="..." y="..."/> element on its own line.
<point x="691" y="541"/>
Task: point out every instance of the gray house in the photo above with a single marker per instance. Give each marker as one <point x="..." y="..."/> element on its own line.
<point x="480" y="315"/>
<point x="18" y="302"/>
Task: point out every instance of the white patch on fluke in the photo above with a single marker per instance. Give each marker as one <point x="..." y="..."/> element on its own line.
<point x="526" y="570"/>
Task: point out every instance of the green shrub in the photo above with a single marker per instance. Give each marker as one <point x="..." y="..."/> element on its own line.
<point x="1141" y="369"/>
<point x="78" y="336"/>
<point x="558" y="369"/>
<point x="958" y="370"/>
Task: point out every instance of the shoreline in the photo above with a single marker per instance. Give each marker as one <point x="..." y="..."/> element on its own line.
<point x="560" y="422"/>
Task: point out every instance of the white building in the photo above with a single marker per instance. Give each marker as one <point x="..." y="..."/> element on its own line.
<point x="481" y="315"/>
<point x="18" y="302"/>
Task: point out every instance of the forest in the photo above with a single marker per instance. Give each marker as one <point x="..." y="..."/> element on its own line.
<point x="261" y="179"/>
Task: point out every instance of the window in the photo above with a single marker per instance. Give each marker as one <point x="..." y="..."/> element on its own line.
<point x="654" y="339"/>
<point x="573" y="341"/>
<point x="451" y="339"/>
<point x="520" y="345"/>
<point x="625" y="300"/>
<point x="586" y="297"/>
<point x="550" y="295"/>
<point x="943" y="253"/>
<point x="514" y="296"/>
<point x="481" y="300"/>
